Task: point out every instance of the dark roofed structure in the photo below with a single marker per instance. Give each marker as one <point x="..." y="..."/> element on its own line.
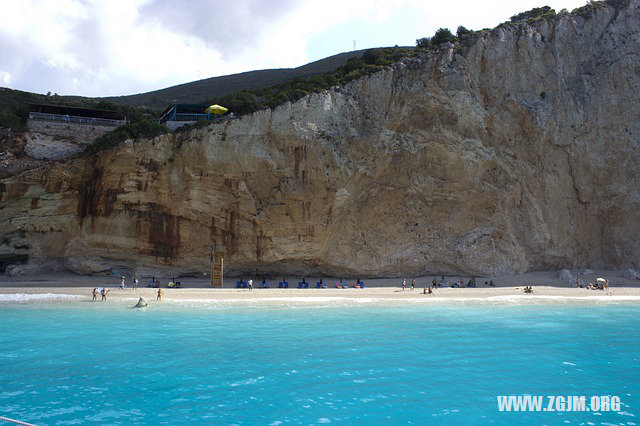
<point x="77" y="115"/>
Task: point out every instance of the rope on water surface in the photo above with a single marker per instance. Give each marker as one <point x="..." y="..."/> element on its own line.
<point x="18" y="422"/>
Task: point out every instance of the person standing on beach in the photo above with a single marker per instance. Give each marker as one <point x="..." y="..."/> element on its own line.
<point x="122" y="282"/>
<point x="135" y="282"/>
<point x="104" y="294"/>
<point x="404" y="283"/>
<point x="95" y="294"/>
<point x="250" y="283"/>
<point x="159" y="298"/>
<point x="413" y="284"/>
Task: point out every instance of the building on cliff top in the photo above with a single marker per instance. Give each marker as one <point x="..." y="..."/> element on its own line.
<point x="74" y="124"/>
<point x="67" y="114"/>
<point x="179" y="115"/>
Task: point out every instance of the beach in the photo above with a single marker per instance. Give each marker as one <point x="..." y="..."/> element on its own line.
<point x="547" y="287"/>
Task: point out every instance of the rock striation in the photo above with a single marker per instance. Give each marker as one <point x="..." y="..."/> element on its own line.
<point x="519" y="152"/>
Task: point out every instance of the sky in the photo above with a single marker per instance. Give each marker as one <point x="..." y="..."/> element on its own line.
<point x="119" y="47"/>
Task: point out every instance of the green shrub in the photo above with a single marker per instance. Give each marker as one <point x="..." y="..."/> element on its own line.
<point x="443" y="35"/>
<point x="423" y="43"/>
<point x="462" y="32"/>
<point x="143" y="128"/>
<point x="14" y="117"/>
<point x="374" y="57"/>
<point x="533" y="14"/>
<point x="586" y="10"/>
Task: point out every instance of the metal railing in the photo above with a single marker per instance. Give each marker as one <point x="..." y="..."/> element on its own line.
<point x="76" y="119"/>
<point x="192" y="117"/>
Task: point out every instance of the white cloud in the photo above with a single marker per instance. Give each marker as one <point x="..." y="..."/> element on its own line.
<point x="100" y="48"/>
<point x="5" y="78"/>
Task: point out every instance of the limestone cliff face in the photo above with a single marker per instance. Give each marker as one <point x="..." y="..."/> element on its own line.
<point x="519" y="153"/>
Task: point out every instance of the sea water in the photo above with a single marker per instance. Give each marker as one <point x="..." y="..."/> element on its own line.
<point x="81" y="362"/>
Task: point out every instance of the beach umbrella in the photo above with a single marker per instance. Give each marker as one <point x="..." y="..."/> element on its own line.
<point x="600" y="280"/>
<point x="216" y="109"/>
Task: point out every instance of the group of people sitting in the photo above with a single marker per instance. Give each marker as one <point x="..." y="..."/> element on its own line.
<point x="528" y="289"/>
<point x="154" y="283"/>
<point x="341" y="284"/>
<point x="459" y="284"/>
<point x="601" y="284"/>
<point x="596" y="286"/>
<point x="301" y="284"/>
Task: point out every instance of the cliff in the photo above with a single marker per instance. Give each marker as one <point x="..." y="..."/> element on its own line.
<point x="517" y="153"/>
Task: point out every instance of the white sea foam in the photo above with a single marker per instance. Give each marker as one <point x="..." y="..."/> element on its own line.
<point x="529" y="299"/>
<point x="250" y="381"/>
<point x="42" y="297"/>
<point x="323" y="301"/>
<point x="604" y="298"/>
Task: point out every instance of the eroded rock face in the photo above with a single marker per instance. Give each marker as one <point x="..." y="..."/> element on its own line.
<point x="520" y="153"/>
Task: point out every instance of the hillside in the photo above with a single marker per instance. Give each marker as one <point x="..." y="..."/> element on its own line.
<point x="193" y="92"/>
<point x="198" y="91"/>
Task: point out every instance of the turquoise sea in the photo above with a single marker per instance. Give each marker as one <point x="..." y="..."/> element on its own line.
<point x="82" y="362"/>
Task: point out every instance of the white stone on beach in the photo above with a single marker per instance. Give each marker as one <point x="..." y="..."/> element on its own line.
<point x="142" y="303"/>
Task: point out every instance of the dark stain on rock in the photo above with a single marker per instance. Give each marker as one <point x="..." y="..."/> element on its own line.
<point x="164" y="234"/>
<point x="34" y="203"/>
<point x="231" y="184"/>
<point x="110" y="200"/>
<point x="163" y="231"/>
<point x="3" y="190"/>
<point x="299" y="159"/>
<point x="88" y="194"/>
<point x="153" y="166"/>
<point x="93" y="200"/>
<point x="306" y="210"/>
<point x="261" y="243"/>
<point x="257" y="232"/>
<point x="228" y="234"/>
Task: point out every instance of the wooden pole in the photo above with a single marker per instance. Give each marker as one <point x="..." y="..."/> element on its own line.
<point x="212" y="262"/>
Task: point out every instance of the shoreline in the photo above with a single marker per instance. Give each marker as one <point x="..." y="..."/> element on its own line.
<point x="326" y="297"/>
<point x="509" y="289"/>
